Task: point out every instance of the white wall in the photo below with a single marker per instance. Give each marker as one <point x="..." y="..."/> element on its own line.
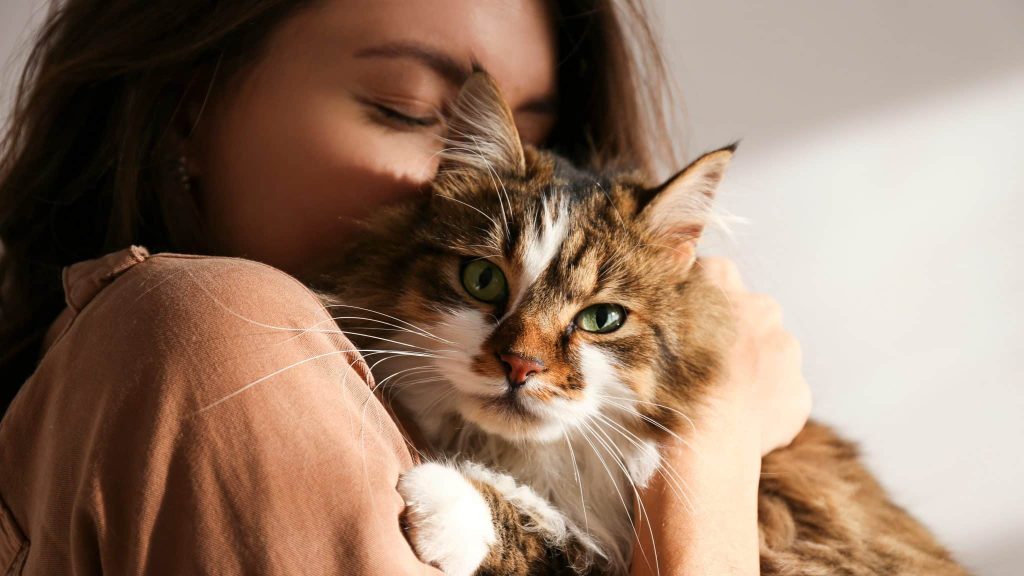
<point x="882" y="174"/>
<point x="18" y="19"/>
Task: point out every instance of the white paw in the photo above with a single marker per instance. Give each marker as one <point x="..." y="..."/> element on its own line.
<point x="450" y="524"/>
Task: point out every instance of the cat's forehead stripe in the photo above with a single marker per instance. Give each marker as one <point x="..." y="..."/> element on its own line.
<point x="542" y="241"/>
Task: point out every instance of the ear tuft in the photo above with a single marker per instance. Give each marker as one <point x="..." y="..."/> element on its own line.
<point x="482" y="132"/>
<point x="679" y="209"/>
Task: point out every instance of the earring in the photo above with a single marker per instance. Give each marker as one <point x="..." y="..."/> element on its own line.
<point x="183" y="176"/>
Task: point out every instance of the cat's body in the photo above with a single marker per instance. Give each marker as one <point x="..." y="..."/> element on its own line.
<point x="820" y="511"/>
<point x="547" y="328"/>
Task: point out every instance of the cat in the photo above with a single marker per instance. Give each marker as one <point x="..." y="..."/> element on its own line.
<point x="547" y="328"/>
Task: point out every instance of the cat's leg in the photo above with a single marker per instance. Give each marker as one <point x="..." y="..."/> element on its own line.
<point x="471" y="520"/>
<point x="533" y="536"/>
<point x="447" y="519"/>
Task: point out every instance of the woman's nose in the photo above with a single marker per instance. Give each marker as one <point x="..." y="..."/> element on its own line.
<point x="518" y="368"/>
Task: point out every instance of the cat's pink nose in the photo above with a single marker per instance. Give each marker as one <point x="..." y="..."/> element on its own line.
<point x="519" y="368"/>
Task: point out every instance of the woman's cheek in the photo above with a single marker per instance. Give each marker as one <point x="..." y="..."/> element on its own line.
<point x="288" y="189"/>
<point x="343" y="183"/>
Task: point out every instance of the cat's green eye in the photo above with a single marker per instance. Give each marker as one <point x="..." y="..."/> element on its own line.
<point x="484" y="281"/>
<point x="601" y="318"/>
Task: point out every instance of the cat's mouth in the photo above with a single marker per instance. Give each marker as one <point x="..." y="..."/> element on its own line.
<point x="510" y="416"/>
<point x="508" y="403"/>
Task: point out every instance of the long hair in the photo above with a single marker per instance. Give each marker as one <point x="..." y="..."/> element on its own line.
<point x="87" y="165"/>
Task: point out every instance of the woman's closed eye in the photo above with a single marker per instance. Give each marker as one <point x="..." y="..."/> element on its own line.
<point x="394" y="116"/>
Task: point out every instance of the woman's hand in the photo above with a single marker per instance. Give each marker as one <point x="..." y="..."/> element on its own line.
<point x="707" y="524"/>
<point x="763" y="389"/>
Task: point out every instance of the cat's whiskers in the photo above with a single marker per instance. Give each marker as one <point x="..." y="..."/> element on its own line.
<point x="418" y="329"/>
<point x="362" y="423"/>
<point x="683" y="441"/>
<point x="440" y="398"/>
<point x="405" y="383"/>
<point x="493" y="221"/>
<point x="390" y="355"/>
<point x="486" y="164"/>
<point x="594" y="430"/>
<point x="486" y="256"/>
<point x="385" y="388"/>
<point x="582" y="430"/>
<point x="399" y="374"/>
<point x="633" y="412"/>
<point x="479" y="145"/>
<point x="416" y="372"/>
<point x="585" y="426"/>
<point x="385" y="326"/>
<point x="693" y="427"/>
<point x="644" y="517"/>
<point x="399" y="342"/>
<point x="496" y="180"/>
<point x="395" y="387"/>
<point x="508" y="200"/>
<point x="297" y="363"/>
<point x="674" y="478"/>
<point x="377" y="329"/>
<point x="579" y="479"/>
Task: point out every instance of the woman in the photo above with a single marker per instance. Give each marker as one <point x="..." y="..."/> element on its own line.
<point x="178" y="415"/>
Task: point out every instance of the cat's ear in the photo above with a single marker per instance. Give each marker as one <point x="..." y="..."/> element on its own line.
<point x="678" y="210"/>
<point x="482" y="135"/>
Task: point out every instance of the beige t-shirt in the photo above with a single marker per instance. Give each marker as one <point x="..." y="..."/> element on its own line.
<point x="199" y="415"/>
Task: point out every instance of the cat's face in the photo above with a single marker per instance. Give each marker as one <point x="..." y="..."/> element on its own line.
<point x="540" y="298"/>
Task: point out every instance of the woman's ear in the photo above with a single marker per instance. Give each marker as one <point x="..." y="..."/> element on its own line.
<point x="482" y="133"/>
<point x="678" y="210"/>
<point x="192" y="118"/>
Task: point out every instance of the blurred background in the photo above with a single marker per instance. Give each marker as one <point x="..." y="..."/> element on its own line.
<point x="882" y="177"/>
<point x="882" y="174"/>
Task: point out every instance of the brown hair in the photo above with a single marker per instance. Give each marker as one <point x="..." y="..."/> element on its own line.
<point x="87" y="165"/>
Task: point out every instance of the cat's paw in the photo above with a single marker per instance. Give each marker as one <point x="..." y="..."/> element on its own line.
<point x="448" y="521"/>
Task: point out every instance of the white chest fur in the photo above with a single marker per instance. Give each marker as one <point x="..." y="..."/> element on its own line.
<point x="591" y="477"/>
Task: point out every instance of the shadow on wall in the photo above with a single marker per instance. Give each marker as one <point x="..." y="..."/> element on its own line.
<point x="768" y="69"/>
<point x="1001" y="557"/>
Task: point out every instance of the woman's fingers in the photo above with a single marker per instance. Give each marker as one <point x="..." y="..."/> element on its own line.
<point x="722" y="272"/>
<point x="764" y="388"/>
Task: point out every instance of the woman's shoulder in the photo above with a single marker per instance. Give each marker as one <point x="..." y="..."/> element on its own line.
<point x="170" y="278"/>
<point x="183" y="291"/>
<point x="215" y="321"/>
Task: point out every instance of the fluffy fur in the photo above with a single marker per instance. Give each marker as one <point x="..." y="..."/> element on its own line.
<point x="448" y="520"/>
<point x="558" y="459"/>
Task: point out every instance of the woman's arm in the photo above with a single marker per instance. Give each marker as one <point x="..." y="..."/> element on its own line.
<point x="762" y="405"/>
<point x="203" y="416"/>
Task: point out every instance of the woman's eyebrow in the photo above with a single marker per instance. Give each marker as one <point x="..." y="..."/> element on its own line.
<point x="442" y="63"/>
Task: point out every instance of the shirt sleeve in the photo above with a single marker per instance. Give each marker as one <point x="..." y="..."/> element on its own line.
<point x="242" y="436"/>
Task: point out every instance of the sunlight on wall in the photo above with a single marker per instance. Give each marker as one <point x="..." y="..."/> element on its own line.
<point x="893" y="241"/>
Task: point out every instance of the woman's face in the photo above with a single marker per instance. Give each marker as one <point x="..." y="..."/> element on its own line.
<point x="342" y="114"/>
